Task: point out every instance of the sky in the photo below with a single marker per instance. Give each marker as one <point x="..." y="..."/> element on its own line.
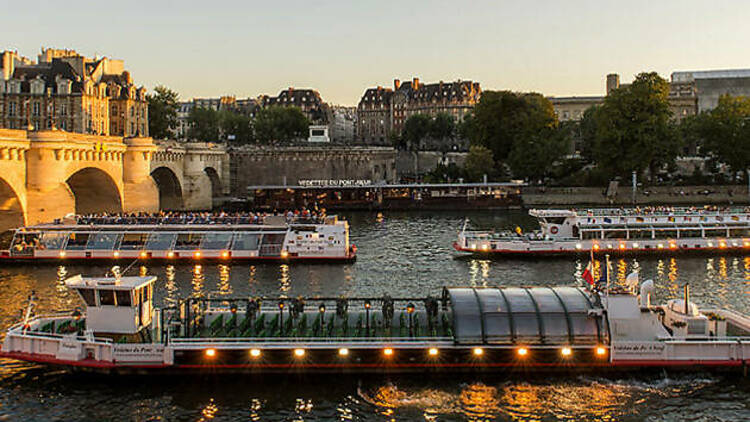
<point x="247" y="47"/>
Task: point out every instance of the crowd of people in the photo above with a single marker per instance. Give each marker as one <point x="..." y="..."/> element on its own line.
<point x="667" y="210"/>
<point x="187" y="217"/>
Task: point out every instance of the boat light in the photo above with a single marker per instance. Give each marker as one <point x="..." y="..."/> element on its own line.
<point x="478" y="351"/>
<point x="225" y="254"/>
<point x="672" y="246"/>
<point x="197" y="254"/>
<point x="578" y="246"/>
<point x="144" y="254"/>
<point x="566" y="351"/>
<point x="284" y="254"/>
<point x="746" y="243"/>
<point x="601" y="351"/>
<point x="210" y="353"/>
<point x="660" y="246"/>
<point x="433" y="351"/>
<point x="170" y="254"/>
<point x="62" y="254"/>
<point x="710" y="244"/>
<point x="299" y="352"/>
<point x="343" y="352"/>
<point x="388" y="351"/>
<point x="485" y="247"/>
<point x="622" y="246"/>
<point x="116" y="254"/>
<point x="255" y="353"/>
<point x="635" y="245"/>
<point x="522" y="351"/>
<point x="734" y="243"/>
<point x="722" y="244"/>
<point x="609" y="246"/>
<point x="596" y="247"/>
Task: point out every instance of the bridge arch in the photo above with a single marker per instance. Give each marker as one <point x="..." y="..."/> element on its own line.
<point x="170" y="188"/>
<point x="95" y="191"/>
<point x="213" y="176"/>
<point x="12" y="212"/>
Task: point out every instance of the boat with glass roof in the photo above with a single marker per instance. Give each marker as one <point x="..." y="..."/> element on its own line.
<point x="617" y="231"/>
<point x="274" y="238"/>
<point x="119" y="330"/>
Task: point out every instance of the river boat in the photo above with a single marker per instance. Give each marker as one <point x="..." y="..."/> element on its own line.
<point x="465" y="329"/>
<point x="273" y="239"/>
<point x="616" y="231"/>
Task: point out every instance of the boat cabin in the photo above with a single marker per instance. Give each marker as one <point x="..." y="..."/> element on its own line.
<point x="115" y="305"/>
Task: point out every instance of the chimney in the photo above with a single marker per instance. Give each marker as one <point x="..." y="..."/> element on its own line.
<point x="613" y="82"/>
<point x="415" y="83"/>
<point x="396" y="84"/>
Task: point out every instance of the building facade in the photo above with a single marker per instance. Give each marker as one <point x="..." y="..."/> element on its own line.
<point x="382" y="112"/>
<point x="705" y="87"/>
<point x="65" y="90"/>
<point x="307" y="100"/>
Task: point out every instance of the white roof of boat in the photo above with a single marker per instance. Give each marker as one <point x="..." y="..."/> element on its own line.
<point x="114" y="283"/>
<point x="552" y="213"/>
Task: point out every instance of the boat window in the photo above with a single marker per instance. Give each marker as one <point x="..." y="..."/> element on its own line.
<point x="690" y="233"/>
<point x="123" y="297"/>
<point x="24" y="243"/>
<point x="133" y="241"/>
<point x="245" y="242"/>
<point x="216" y="240"/>
<point x="592" y="234"/>
<point x="77" y="241"/>
<point x="88" y="296"/>
<point x="615" y="234"/>
<point x="739" y="232"/>
<point x="5" y="238"/>
<point x="103" y="241"/>
<point x="665" y="234"/>
<point x="188" y="241"/>
<point x="274" y="238"/>
<point x="53" y="240"/>
<point x="555" y="220"/>
<point x="106" y="297"/>
<point x="716" y="232"/>
<point x="160" y="241"/>
<point x="640" y="233"/>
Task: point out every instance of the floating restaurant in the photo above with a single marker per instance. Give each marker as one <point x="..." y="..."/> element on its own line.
<point x="339" y="196"/>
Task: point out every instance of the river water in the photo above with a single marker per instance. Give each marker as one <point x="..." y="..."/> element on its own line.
<point x="399" y="254"/>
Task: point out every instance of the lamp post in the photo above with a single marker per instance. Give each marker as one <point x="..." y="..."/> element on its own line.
<point x="281" y="317"/>
<point x="322" y="310"/>
<point x="410" y="311"/>
<point x="367" y="318"/>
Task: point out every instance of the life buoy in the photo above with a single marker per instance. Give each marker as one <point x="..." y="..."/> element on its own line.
<point x="553" y="230"/>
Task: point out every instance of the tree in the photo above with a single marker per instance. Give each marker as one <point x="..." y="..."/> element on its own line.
<point x="204" y="124"/>
<point x="532" y="157"/>
<point x="587" y="130"/>
<point x="633" y="128"/>
<point x="478" y="163"/>
<point x="236" y="127"/>
<point x="503" y="118"/>
<point x="162" y="112"/>
<point x="416" y="129"/>
<point x="725" y="131"/>
<point x="280" y="124"/>
<point x="442" y="130"/>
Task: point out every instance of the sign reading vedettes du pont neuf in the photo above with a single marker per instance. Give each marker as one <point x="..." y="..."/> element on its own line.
<point x="333" y="182"/>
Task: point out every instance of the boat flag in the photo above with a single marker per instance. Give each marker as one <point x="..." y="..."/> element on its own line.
<point x="588" y="274"/>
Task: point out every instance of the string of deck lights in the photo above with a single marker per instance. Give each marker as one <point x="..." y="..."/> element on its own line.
<point x="521" y="352"/>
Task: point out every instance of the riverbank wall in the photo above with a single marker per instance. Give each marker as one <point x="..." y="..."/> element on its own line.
<point x="657" y="195"/>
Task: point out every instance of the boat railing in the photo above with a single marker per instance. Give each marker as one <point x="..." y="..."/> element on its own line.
<point x="698" y="338"/>
<point x="676" y="212"/>
<point x="308" y="341"/>
<point x="57" y="336"/>
<point x="57" y="315"/>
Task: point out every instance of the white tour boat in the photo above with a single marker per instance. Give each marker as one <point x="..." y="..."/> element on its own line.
<point x="274" y="239"/>
<point x="617" y="231"/>
<point x="485" y="329"/>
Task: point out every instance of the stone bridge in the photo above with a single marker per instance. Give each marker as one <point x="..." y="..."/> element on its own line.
<point x="49" y="174"/>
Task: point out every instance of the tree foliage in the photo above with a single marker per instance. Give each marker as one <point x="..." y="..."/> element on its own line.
<point x="532" y="157"/>
<point x="479" y="162"/>
<point x="725" y="131"/>
<point x="204" y="124"/>
<point x="280" y="124"/>
<point x="633" y="128"/>
<point x="236" y="128"/>
<point x="416" y="129"/>
<point x="502" y="119"/>
<point x="162" y="112"/>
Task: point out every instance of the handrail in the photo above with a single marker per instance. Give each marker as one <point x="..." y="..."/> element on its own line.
<point x="311" y="340"/>
<point x="36" y="334"/>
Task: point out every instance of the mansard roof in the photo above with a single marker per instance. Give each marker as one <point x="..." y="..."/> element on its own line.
<point x="48" y="72"/>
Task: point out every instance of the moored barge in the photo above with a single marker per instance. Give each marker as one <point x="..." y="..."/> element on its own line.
<point x="275" y="238"/>
<point x="472" y="329"/>
<point x="616" y="232"/>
